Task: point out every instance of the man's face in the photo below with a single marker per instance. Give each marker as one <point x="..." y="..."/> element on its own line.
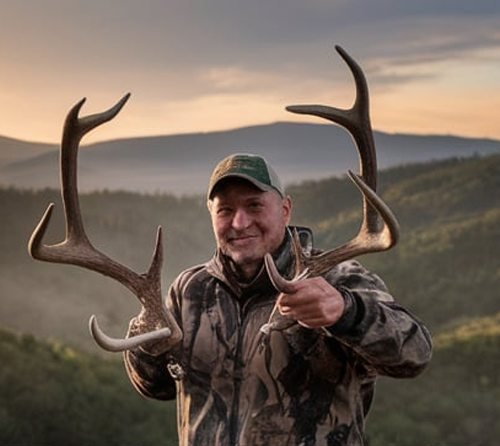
<point x="248" y="223"/>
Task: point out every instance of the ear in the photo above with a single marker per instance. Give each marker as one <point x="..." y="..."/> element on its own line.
<point x="287" y="208"/>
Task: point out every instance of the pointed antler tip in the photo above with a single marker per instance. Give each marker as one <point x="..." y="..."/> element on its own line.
<point x="80" y="103"/>
<point x="39" y="231"/>
<point x="159" y="238"/>
<point x="119" y="345"/>
<point x="73" y="113"/>
<point x="299" y="109"/>
<point x="126" y="97"/>
<point x="345" y="55"/>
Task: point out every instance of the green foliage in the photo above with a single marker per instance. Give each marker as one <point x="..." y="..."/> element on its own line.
<point x="445" y="269"/>
<point x="450" y="228"/>
<point x="455" y="402"/>
<point x="122" y="225"/>
<point x="53" y="395"/>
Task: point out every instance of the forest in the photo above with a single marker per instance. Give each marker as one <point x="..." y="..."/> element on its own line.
<point x="57" y="388"/>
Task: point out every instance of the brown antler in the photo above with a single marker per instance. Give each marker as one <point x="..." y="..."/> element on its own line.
<point x="76" y="249"/>
<point x="379" y="230"/>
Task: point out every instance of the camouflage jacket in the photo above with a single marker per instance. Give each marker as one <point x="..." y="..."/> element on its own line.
<point x="235" y="386"/>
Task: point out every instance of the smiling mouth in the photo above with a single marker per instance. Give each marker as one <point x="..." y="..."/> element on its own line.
<point x="241" y="239"/>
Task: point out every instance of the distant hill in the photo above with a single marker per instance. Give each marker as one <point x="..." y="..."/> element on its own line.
<point x="13" y="150"/>
<point x="181" y="164"/>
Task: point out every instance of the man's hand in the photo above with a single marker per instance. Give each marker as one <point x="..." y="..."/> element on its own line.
<point x="313" y="303"/>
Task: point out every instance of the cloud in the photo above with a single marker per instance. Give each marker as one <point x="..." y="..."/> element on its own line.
<point x="174" y="50"/>
<point x="239" y="33"/>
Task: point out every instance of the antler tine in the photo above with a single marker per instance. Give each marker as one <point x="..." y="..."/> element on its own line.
<point x="355" y="119"/>
<point x="75" y="129"/>
<point x="157" y="259"/>
<point x="365" y="241"/>
<point x="120" y="345"/>
<point x="344" y="117"/>
<point x="388" y="235"/>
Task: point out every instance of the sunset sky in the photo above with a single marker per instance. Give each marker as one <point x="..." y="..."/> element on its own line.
<point x="433" y="66"/>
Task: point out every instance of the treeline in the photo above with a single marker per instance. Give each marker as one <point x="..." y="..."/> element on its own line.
<point x="449" y="215"/>
<point x="455" y="402"/>
<point x="446" y="258"/>
<point x="53" y="395"/>
<point x="56" y="301"/>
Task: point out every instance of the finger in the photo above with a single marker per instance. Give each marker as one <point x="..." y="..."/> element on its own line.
<point x="284" y="309"/>
<point x="301" y="313"/>
<point x="313" y="323"/>
<point x="293" y="305"/>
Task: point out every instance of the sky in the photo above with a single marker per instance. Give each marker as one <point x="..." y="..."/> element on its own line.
<point x="433" y="67"/>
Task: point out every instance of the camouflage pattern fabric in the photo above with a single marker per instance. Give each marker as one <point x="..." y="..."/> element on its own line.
<point x="236" y="386"/>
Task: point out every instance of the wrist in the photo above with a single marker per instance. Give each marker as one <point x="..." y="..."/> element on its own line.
<point x="349" y="316"/>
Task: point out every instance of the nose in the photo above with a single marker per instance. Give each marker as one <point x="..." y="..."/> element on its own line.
<point x="241" y="220"/>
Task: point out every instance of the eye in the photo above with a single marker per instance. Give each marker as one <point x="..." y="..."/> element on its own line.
<point x="255" y="206"/>
<point x="223" y="211"/>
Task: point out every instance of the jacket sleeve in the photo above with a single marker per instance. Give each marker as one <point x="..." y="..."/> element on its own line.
<point x="151" y="374"/>
<point x="385" y="335"/>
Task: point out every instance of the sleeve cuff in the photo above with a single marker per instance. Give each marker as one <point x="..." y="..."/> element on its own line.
<point x="349" y="318"/>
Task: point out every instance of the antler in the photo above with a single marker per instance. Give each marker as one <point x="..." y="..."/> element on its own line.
<point x="379" y="229"/>
<point x="76" y="249"/>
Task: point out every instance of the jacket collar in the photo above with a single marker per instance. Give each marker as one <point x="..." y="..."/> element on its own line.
<point x="221" y="267"/>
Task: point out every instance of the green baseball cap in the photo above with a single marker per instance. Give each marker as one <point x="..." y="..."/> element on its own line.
<point x="253" y="168"/>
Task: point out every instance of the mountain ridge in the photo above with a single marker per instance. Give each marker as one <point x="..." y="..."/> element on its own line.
<point x="181" y="163"/>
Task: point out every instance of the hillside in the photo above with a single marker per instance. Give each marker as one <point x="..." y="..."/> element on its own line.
<point x="15" y="151"/>
<point x="53" y="395"/>
<point x="449" y="213"/>
<point x="455" y="402"/>
<point x="181" y="164"/>
<point x="446" y="260"/>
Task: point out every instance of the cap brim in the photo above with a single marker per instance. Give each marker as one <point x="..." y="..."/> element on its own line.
<point x="261" y="186"/>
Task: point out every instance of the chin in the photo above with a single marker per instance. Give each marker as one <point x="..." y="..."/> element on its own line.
<point x="242" y="259"/>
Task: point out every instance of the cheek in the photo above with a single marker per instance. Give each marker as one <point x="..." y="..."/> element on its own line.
<point x="219" y="227"/>
<point x="275" y="229"/>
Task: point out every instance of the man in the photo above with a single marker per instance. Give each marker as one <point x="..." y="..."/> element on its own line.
<point x="309" y="384"/>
